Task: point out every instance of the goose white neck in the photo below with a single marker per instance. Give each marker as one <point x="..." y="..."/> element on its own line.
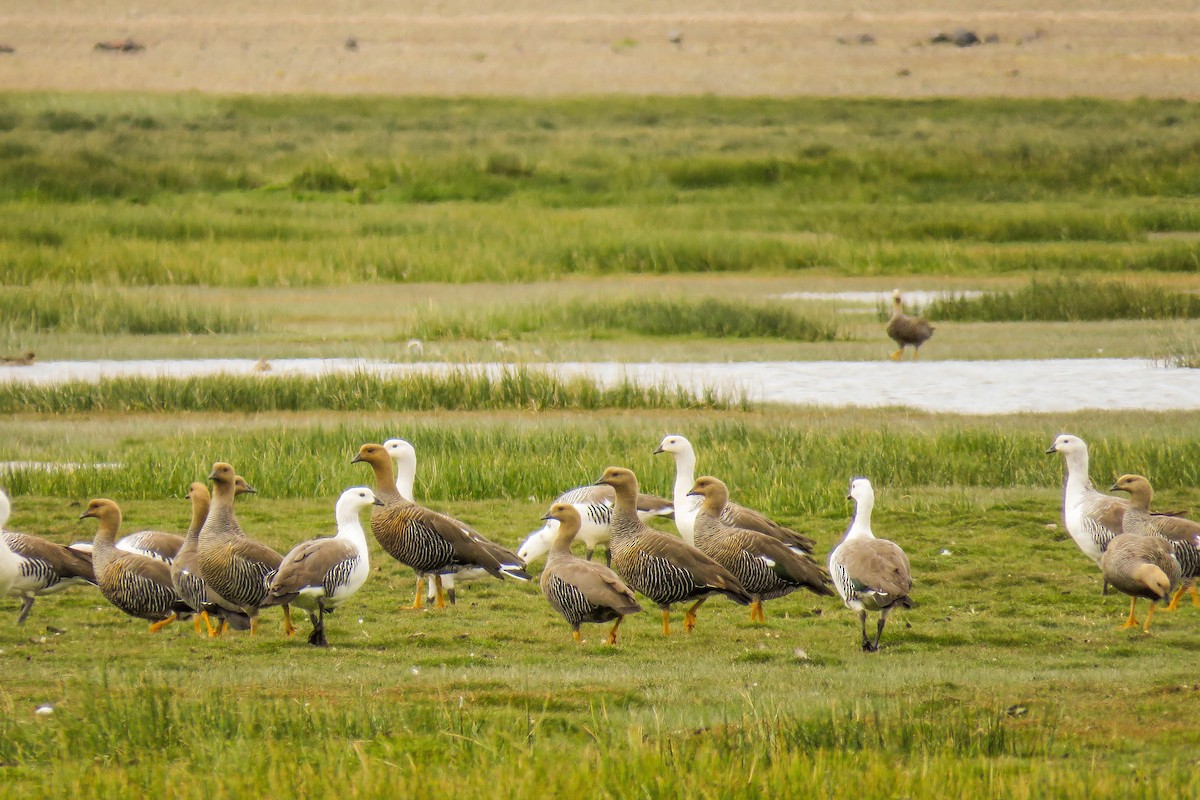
<point x="861" y="524"/>
<point x="406" y="476"/>
<point x="349" y="525"/>
<point x="1077" y="472"/>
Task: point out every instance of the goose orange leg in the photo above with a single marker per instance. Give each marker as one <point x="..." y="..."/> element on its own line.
<point x="1149" y="616"/>
<point x="1189" y="587"/>
<point x="254" y="625"/>
<point x="441" y="594"/>
<point x="666" y="622"/>
<point x="896" y="356"/>
<point x="288" y="627"/>
<point x="419" y="600"/>
<point x="577" y="636"/>
<point x="221" y="628"/>
<point x="196" y="624"/>
<point x="1132" y="621"/>
<point x="162" y="623"/>
<point x="612" y="635"/>
<point x="208" y="624"/>
<point x="689" y="616"/>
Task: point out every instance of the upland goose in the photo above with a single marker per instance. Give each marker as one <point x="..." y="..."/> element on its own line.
<point x="24" y="360"/>
<point x="581" y="590"/>
<point x="43" y="567"/>
<point x="1183" y="534"/>
<point x="234" y="566"/>
<point x="905" y="330"/>
<point x="870" y="574"/>
<point x="1091" y="517"/>
<point x="159" y="545"/>
<point x="594" y="505"/>
<point x="185" y="569"/>
<point x="139" y="586"/>
<point x="10" y="563"/>
<point x="666" y="569"/>
<point x="404" y="458"/>
<point x="765" y="566"/>
<point x="425" y="540"/>
<point x="321" y="574"/>
<point x="686" y="507"/>
<point x="1140" y="566"/>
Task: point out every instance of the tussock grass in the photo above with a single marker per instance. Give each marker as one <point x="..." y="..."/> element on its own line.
<point x="112" y="310"/>
<point x="1069" y="300"/>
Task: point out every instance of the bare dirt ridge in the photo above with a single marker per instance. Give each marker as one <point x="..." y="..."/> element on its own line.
<point x="1119" y="49"/>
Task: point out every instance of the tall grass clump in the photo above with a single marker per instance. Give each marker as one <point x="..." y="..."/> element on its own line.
<point x="111" y="310"/>
<point x="1069" y="300"/>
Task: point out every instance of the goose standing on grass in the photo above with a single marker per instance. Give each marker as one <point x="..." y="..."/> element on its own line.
<point x="158" y="545"/>
<point x="766" y="567"/>
<point x="1183" y="535"/>
<point x="43" y="567"/>
<point x="404" y="458"/>
<point x="185" y="569"/>
<point x="10" y="563"/>
<point x="234" y="566"/>
<point x="1140" y="566"/>
<point x="321" y="574"/>
<point x="594" y="504"/>
<point x="425" y="540"/>
<point x="687" y="507"/>
<point x="870" y="574"/>
<point x="905" y="330"/>
<point x="138" y="585"/>
<point x="580" y="590"/>
<point x="666" y="569"/>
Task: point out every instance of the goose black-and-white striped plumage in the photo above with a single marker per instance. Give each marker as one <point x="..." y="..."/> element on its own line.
<point x="425" y="540"/>
<point x="580" y="590"/>
<point x="664" y="568"/>
<point x="1140" y="566"/>
<point x="906" y="330"/>
<point x="1182" y="534"/>
<point x="185" y="570"/>
<point x="137" y="585"/>
<point x="594" y="504"/>
<point x="234" y="566"/>
<point x="688" y="506"/>
<point x="321" y="574"/>
<point x="1091" y="517"/>
<point x="766" y="568"/>
<point x="404" y="459"/>
<point x="32" y="566"/>
<point x="159" y="545"/>
<point x="870" y="574"/>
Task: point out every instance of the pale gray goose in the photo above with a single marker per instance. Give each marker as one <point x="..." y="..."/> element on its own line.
<point x="185" y="570"/>
<point x="1183" y="534"/>
<point x="870" y="574"/>
<point x="425" y="540"/>
<point x="665" y="568"/>
<point x="35" y="566"/>
<point x="906" y="330"/>
<point x="580" y="590"/>
<point x="321" y="574"/>
<point x="1140" y="566"/>
<point x="137" y="585"/>
<point x="234" y="566"/>
<point x="765" y="566"/>
<point x="687" y="507"/>
<point x="595" y="507"/>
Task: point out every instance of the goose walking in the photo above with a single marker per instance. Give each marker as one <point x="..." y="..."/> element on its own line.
<point x="41" y="567"/>
<point x="185" y="569"/>
<point x="137" y="585"/>
<point x="906" y="330"/>
<point x="664" y="568"/>
<point x="578" y="589"/>
<point x="870" y="574"/>
<point x="234" y="566"/>
<point x="321" y="574"/>
<point x="425" y="540"/>
<point x="764" y="566"/>
<point x="687" y="507"/>
<point x="1140" y="566"/>
<point x="594" y="504"/>
<point x="1182" y="534"/>
<point x="404" y="458"/>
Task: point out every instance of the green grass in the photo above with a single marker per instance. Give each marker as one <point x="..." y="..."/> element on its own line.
<point x="113" y="310"/>
<point x="1068" y="300"/>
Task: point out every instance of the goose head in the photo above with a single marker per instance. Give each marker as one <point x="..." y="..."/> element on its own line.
<point x="1067" y="444"/>
<point x="713" y="490"/>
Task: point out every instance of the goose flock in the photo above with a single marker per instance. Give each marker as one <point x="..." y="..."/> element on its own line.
<point x="222" y="579"/>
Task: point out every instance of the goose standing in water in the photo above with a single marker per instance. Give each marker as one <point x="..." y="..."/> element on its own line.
<point x="581" y="590"/>
<point x="321" y="574"/>
<point x="870" y="574"/>
<point x="906" y="330"/>
<point x="1183" y="535"/>
<point x="765" y="566"/>
<point x="687" y="507"/>
<point x="665" y="568"/>
<point x="594" y="504"/>
<point x="138" y="585"/>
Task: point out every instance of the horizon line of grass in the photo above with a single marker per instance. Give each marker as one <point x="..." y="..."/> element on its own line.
<point x="114" y="310"/>
<point x="1067" y="299"/>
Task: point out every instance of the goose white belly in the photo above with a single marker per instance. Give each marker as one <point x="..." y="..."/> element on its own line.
<point x="1082" y="527"/>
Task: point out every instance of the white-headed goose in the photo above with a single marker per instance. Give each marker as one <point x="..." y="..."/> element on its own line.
<point x="41" y="567"/>
<point x="905" y="330"/>
<point x="665" y="568"/>
<point x="594" y="504"/>
<point x="321" y="574"/>
<point x="1091" y="517"/>
<point x="870" y="574"/>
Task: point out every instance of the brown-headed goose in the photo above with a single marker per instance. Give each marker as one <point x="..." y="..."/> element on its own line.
<point x="666" y="569"/>
<point x="1182" y="534"/>
<point x="185" y="569"/>
<point x="905" y="330"/>
<point x="870" y="574"/>
<point x="321" y="574"/>
<point x="1140" y="566"/>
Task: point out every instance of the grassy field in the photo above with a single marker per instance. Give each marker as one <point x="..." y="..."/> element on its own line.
<point x="1009" y="678"/>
